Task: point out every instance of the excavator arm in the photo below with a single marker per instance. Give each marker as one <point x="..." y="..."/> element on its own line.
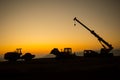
<point x="100" y="39"/>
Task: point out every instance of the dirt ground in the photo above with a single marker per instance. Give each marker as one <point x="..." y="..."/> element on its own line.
<point x="81" y="68"/>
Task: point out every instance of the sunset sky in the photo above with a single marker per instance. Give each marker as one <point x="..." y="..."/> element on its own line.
<point x="37" y="26"/>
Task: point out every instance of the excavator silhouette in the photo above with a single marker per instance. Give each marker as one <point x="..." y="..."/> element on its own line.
<point x="66" y="54"/>
<point x="105" y="51"/>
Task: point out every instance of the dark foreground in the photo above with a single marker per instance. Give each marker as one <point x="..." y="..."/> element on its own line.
<point x="80" y="68"/>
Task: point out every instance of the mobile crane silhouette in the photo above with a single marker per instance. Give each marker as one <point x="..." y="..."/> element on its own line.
<point x="105" y="51"/>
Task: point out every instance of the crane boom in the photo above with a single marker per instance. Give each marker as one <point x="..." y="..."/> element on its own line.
<point x="101" y="40"/>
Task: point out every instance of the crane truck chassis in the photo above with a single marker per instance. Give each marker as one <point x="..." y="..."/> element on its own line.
<point x="104" y="52"/>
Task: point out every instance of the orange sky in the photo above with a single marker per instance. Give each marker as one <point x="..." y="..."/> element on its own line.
<point x="37" y="26"/>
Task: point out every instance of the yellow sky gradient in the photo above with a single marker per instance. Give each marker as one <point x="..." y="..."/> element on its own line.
<point x="37" y="26"/>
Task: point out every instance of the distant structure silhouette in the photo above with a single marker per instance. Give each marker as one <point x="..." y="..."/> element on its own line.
<point x="67" y="53"/>
<point x="104" y="51"/>
<point x="27" y="56"/>
<point x="13" y="56"/>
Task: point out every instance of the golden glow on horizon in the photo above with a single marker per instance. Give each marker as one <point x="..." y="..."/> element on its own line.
<point x="38" y="27"/>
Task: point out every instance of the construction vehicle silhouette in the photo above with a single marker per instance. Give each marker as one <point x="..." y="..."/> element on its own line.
<point x="67" y="53"/>
<point x="27" y="56"/>
<point x="13" y="56"/>
<point x="104" y="51"/>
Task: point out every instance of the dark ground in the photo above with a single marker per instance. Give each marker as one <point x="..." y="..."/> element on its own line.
<point x="80" y="68"/>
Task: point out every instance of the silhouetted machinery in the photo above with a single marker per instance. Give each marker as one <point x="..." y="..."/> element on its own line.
<point x="104" y="51"/>
<point x="27" y="56"/>
<point x="14" y="56"/>
<point x="67" y="53"/>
